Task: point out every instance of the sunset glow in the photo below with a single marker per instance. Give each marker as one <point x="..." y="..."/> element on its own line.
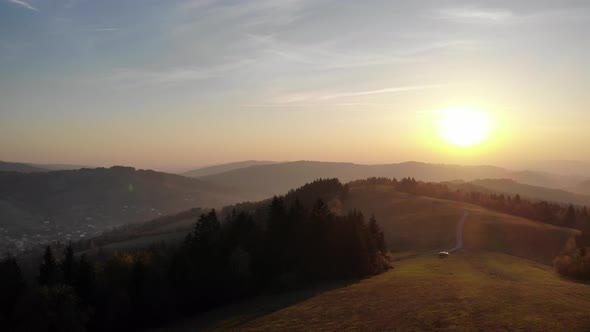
<point x="464" y="127"/>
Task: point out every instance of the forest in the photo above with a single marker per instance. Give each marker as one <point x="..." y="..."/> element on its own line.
<point x="275" y="248"/>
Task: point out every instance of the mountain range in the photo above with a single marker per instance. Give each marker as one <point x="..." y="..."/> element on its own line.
<point x="263" y="180"/>
<point x="6" y="166"/>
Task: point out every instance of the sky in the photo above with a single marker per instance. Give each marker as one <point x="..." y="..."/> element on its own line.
<point x="178" y="84"/>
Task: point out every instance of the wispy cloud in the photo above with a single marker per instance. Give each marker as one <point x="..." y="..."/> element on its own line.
<point x="24" y="4"/>
<point x="396" y="89"/>
<point x="321" y="98"/>
<point x="321" y="56"/>
<point x="476" y="15"/>
<point x="135" y="78"/>
<point x="105" y="29"/>
<point x="505" y="16"/>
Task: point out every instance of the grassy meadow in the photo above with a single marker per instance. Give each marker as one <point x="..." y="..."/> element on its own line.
<point x="416" y="223"/>
<point x="471" y="290"/>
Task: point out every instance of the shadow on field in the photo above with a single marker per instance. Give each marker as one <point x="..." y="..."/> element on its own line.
<point x="233" y="315"/>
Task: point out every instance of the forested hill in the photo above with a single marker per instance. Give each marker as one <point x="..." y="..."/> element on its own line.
<point x="216" y="169"/>
<point x="51" y="205"/>
<point x="262" y="181"/>
<point x="506" y="186"/>
<point x="19" y="167"/>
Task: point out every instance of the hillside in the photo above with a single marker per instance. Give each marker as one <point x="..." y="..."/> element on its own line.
<point x="68" y="205"/>
<point x="60" y="167"/>
<point x="421" y="223"/>
<point x="409" y="222"/>
<point x="583" y="187"/>
<point x="216" y="169"/>
<point x="565" y="167"/>
<point x="469" y="291"/>
<point x="19" y="167"/>
<point x="512" y="187"/>
<point x="263" y="181"/>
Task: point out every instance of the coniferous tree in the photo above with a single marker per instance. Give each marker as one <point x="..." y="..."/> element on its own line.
<point x="276" y="235"/>
<point x="377" y="234"/>
<point x="320" y="210"/>
<point x="206" y="229"/>
<point x="12" y="286"/>
<point x="85" y="280"/>
<point x="68" y="266"/>
<point x="48" y="271"/>
<point x="570" y="216"/>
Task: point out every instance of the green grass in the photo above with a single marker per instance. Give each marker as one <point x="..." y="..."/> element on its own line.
<point x="468" y="291"/>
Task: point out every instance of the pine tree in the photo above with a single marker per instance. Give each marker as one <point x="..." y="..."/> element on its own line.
<point x="206" y="229"/>
<point x="377" y="234"/>
<point x="12" y="286"/>
<point x="68" y="266"/>
<point x="570" y="216"/>
<point x="85" y="280"/>
<point x="48" y="272"/>
<point x="319" y="211"/>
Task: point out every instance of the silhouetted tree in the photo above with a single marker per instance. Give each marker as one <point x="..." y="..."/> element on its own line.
<point x="68" y="266"/>
<point x="377" y="234"/>
<point x="206" y="229"/>
<point x="12" y="286"/>
<point x="48" y="272"/>
<point x="570" y="216"/>
<point x="85" y="280"/>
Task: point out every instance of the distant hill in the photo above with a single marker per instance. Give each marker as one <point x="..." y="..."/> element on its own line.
<point x="544" y="179"/>
<point x="583" y="187"/>
<point x="512" y="187"/>
<point x="60" y="167"/>
<point x="216" y="169"/>
<point x="564" y="167"/>
<point x="43" y="206"/>
<point x="6" y="166"/>
<point x="264" y="180"/>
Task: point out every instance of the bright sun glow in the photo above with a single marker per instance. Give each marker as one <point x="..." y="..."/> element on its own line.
<point x="464" y="127"/>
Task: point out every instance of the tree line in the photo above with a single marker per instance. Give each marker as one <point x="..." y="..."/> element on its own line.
<point x="278" y="246"/>
<point x="566" y="215"/>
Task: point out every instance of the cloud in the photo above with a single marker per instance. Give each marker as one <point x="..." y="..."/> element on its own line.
<point x="23" y="4"/>
<point x="320" y="98"/>
<point x="105" y="29"/>
<point x="322" y="56"/>
<point x="476" y="15"/>
<point x="506" y="16"/>
<point x="135" y="78"/>
<point x="381" y="91"/>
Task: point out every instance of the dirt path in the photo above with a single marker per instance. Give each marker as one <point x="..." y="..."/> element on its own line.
<point x="458" y="245"/>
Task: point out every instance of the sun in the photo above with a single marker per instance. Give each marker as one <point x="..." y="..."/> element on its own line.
<point x="464" y="127"/>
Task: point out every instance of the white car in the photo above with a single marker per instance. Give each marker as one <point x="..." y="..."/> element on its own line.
<point x="443" y="254"/>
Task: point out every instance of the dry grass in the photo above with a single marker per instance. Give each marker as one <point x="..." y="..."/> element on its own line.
<point x="468" y="291"/>
<point x="414" y="223"/>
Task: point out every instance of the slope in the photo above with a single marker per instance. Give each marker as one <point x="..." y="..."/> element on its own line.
<point x="6" y="166"/>
<point x="416" y="223"/>
<point x="410" y="223"/>
<point x="512" y="187"/>
<point x="468" y="291"/>
<point x="216" y="169"/>
<point x="68" y="205"/>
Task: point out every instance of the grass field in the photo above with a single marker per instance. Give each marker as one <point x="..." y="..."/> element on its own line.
<point x="416" y="223"/>
<point x="468" y="291"/>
